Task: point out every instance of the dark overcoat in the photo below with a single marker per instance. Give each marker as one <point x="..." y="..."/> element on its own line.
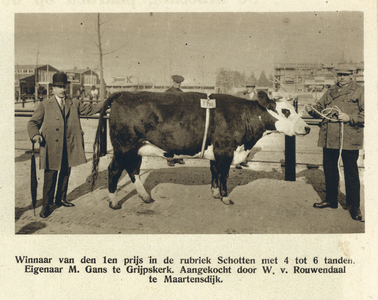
<point x="49" y="122"/>
<point x="350" y="100"/>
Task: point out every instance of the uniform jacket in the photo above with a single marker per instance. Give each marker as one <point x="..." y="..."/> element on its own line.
<point x="173" y="90"/>
<point x="350" y="100"/>
<point x="48" y="120"/>
<point x="245" y="95"/>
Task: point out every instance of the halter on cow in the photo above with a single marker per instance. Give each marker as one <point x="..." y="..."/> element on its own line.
<point x="172" y="125"/>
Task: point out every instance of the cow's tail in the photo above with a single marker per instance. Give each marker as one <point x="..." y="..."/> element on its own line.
<point x="100" y="128"/>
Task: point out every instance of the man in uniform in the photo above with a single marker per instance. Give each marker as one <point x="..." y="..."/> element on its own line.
<point x="176" y="84"/>
<point x="250" y="92"/>
<point x="348" y="96"/>
<point x="175" y="88"/>
<point x="55" y="125"/>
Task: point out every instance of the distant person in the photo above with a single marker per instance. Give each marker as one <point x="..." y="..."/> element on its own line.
<point x="93" y="94"/>
<point x="250" y="94"/>
<point x="55" y="125"/>
<point x="176" y="84"/>
<point x="348" y="96"/>
<point x="108" y="93"/>
<point x="175" y="88"/>
<point x="80" y="94"/>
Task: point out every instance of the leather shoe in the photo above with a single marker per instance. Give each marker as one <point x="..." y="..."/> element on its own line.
<point x="180" y="161"/>
<point x="170" y="163"/>
<point x="64" y="203"/>
<point x="45" y="211"/>
<point x="325" y="204"/>
<point x="355" y="213"/>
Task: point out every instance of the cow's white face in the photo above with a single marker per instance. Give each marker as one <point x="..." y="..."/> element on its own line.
<point x="289" y="121"/>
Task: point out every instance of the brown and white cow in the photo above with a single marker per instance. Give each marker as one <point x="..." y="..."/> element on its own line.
<point x="173" y="125"/>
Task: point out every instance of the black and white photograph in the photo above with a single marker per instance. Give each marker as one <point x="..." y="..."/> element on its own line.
<point x="223" y="143"/>
<point x="270" y="161"/>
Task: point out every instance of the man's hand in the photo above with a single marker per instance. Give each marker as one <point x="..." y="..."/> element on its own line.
<point x="308" y="108"/>
<point x="37" y="138"/>
<point x="343" y="117"/>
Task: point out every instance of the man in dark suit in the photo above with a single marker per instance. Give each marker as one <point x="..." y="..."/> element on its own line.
<point x="175" y="88"/>
<point x="55" y="125"/>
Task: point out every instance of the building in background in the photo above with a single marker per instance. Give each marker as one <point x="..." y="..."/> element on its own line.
<point x="132" y="83"/>
<point x="82" y="77"/>
<point x="310" y="77"/>
<point x="30" y="77"/>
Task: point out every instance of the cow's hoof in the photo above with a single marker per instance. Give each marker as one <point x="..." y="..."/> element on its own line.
<point x="216" y="193"/>
<point x="147" y="199"/>
<point x="118" y="206"/>
<point x="227" y="201"/>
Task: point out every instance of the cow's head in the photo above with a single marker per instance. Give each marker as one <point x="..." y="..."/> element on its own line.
<point x="288" y="121"/>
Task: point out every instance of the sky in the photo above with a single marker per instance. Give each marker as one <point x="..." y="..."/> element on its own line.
<point x="151" y="47"/>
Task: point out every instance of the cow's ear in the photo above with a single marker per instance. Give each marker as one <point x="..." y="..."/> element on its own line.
<point x="264" y="101"/>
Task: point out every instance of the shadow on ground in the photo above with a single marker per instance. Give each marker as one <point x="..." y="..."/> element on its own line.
<point x="315" y="177"/>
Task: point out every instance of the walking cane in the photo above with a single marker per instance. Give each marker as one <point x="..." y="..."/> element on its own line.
<point x="33" y="179"/>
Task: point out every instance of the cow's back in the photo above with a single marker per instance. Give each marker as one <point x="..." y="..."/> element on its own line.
<point x="172" y="121"/>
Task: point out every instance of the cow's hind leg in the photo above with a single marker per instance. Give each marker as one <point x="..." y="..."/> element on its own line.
<point x="132" y="165"/>
<point x="214" y="180"/>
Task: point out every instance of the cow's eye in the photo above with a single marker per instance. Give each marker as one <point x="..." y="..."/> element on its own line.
<point x="286" y="112"/>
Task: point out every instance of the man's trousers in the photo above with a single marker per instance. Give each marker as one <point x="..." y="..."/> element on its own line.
<point x="50" y="178"/>
<point x="331" y="173"/>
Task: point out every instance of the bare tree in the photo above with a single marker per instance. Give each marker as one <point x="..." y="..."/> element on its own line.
<point x="101" y="55"/>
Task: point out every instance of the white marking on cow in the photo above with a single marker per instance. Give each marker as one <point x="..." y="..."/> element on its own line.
<point x="141" y="190"/>
<point x="227" y="200"/>
<point x="216" y="193"/>
<point x="148" y="149"/>
<point x="113" y="199"/>
<point x="291" y="125"/>
<point x="240" y="154"/>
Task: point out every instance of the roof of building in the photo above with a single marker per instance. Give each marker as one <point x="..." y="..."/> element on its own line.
<point x="32" y="67"/>
<point x="75" y="70"/>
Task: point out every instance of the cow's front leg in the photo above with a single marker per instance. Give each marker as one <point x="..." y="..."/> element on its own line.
<point x="223" y="167"/>
<point x="214" y="180"/>
<point x="115" y="170"/>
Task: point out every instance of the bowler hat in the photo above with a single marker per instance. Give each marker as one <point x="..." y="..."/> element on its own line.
<point x="178" y="78"/>
<point x="345" y="69"/>
<point x="60" y="79"/>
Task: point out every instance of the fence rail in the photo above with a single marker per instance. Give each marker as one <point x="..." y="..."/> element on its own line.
<point x="29" y="112"/>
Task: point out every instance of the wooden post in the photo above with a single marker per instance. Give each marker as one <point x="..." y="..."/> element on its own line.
<point x="290" y="160"/>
